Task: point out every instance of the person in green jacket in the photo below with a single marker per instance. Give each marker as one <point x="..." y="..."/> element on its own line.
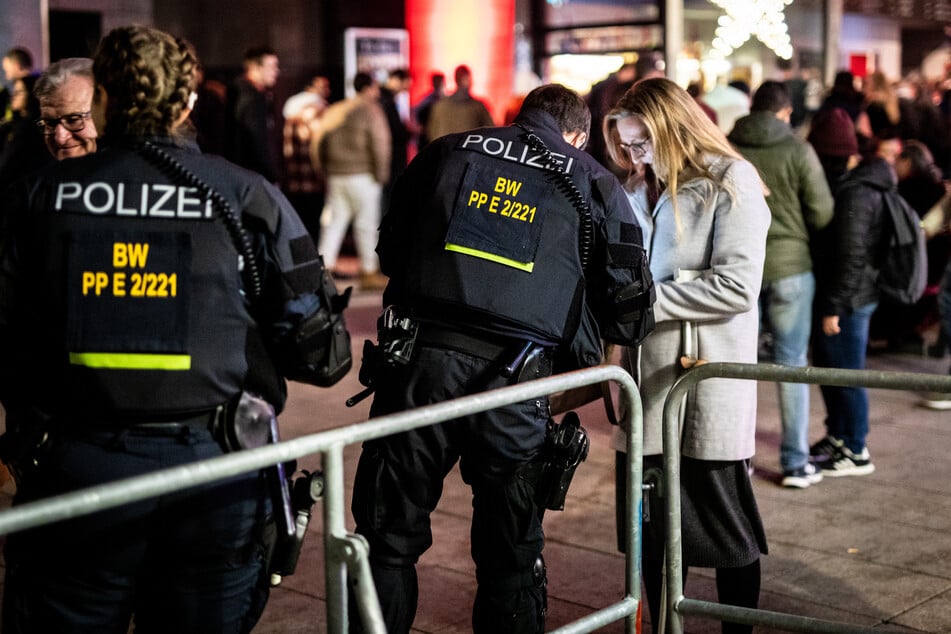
<point x="800" y="203"/>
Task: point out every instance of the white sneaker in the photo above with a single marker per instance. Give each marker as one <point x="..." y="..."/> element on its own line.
<point x="940" y="401"/>
<point x="802" y="477"/>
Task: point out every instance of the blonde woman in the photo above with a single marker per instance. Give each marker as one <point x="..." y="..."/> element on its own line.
<point x="704" y="216"/>
<point x="881" y="104"/>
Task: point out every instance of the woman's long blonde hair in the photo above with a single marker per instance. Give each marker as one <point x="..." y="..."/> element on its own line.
<point x="681" y="133"/>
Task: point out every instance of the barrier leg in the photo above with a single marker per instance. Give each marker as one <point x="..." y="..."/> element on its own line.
<point x="346" y="557"/>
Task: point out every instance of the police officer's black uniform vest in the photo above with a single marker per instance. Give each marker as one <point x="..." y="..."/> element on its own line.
<point x="508" y="261"/>
<point x="134" y="273"/>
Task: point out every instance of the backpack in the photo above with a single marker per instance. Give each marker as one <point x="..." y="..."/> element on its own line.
<point x="903" y="269"/>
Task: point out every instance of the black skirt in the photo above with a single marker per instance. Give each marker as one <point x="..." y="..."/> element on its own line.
<point x="720" y="521"/>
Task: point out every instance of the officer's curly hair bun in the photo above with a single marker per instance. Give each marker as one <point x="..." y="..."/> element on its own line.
<point x="148" y="76"/>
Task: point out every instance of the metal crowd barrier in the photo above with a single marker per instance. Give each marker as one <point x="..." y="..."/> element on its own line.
<point x="345" y="552"/>
<point x="677" y="604"/>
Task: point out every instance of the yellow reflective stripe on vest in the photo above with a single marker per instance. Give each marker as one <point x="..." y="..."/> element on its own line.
<point x="521" y="266"/>
<point x="126" y="361"/>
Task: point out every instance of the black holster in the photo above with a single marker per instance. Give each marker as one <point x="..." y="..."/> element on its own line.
<point x="396" y="334"/>
<point x="306" y="490"/>
<point x="566" y="446"/>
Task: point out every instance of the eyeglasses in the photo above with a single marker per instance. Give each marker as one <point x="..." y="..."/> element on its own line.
<point x="636" y="149"/>
<point x="74" y="122"/>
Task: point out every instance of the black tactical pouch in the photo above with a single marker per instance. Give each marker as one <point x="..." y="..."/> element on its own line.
<point x="635" y="302"/>
<point x="566" y="446"/>
<point x="320" y="351"/>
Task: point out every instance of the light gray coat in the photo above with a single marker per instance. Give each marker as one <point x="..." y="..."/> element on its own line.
<point x="722" y="237"/>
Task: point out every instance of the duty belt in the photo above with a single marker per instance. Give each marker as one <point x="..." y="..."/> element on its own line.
<point x="166" y="425"/>
<point x="512" y="354"/>
<point x="485" y="346"/>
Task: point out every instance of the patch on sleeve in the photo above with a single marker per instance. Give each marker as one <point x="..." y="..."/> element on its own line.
<point x="302" y="250"/>
<point x="624" y="255"/>
<point x="631" y="233"/>
<point x="304" y="279"/>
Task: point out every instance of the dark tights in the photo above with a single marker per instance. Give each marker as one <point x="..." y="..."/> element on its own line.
<point x="735" y="586"/>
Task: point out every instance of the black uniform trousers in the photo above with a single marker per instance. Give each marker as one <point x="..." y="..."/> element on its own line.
<point x="400" y="479"/>
<point x="189" y="561"/>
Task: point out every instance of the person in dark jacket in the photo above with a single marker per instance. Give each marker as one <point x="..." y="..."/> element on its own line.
<point x="146" y="311"/>
<point x="485" y="260"/>
<point x="800" y="204"/>
<point x="847" y="296"/>
<point x="253" y="135"/>
<point x="22" y="146"/>
<point x="921" y="185"/>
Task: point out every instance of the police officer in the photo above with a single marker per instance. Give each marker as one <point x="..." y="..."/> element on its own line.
<point x="133" y="308"/>
<point x="509" y="250"/>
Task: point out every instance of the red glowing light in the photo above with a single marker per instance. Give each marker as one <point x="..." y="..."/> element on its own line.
<point x="478" y="33"/>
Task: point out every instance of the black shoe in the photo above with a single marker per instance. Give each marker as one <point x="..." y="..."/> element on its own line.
<point x="825" y="449"/>
<point x="846" y="463"/>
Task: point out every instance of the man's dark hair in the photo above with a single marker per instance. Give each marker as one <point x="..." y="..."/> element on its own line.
<point x="20" y="56"/>
<point x="438" y="80"/>
<point x="400" y="73"/>
<point x="257" y="53"/>
<point x="740" y="85"/>
<point x="462" y="72"/>
<point x="771" y="96"/>
<point x="565" y="105"/>
<point x="361" y="81"/>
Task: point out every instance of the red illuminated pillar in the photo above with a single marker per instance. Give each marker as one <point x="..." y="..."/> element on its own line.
<point x="477" y="33"/>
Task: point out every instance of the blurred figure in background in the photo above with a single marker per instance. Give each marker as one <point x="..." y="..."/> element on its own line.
<point x="800" y="204"/>
<point x="394" y="99"/>
<point x="352" y="152"/>
<point x="846" y="298"/>
<point x="302" y="184"/>
<point x="460" y="111"/>
<point x="424" y="108"/>
<point x="22" y="144"/>
<point x="17" y="63"/>
<point x="833" y="137"/>
<point x="252" y="133"/>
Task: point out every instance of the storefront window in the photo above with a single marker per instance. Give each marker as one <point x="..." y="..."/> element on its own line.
<point x="566" y="13"/>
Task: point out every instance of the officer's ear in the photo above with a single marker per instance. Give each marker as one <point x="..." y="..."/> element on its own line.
<point x="577" y="139"/>
<point x="100" y="101"/>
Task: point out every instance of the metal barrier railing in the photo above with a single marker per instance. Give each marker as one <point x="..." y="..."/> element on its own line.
<point x="346" y="553"/>
<point x="677" y="604"/>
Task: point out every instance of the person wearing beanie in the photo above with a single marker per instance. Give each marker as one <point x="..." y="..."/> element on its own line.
<point x="832" y="135"/>
<point x="800" y="203"/>
<point x="846" y="298"/>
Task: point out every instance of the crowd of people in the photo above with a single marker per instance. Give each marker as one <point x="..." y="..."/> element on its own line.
<point x="738" y="225"/>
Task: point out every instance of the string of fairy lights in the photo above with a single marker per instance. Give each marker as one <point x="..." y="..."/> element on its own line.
<point x="743" y="19"/>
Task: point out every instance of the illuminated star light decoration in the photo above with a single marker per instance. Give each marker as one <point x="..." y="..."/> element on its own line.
<point x="744" y="18"/>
